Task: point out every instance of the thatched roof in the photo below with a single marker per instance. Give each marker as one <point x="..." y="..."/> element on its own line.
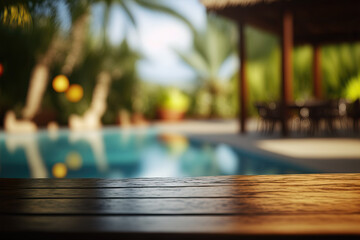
<point x="219" y="4"/>
<point x="315" y="21"/>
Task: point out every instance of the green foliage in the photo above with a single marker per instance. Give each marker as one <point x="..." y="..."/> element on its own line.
<point x="222" y="104"/>
<point x="303" y="75"/>
<point x="259" y="44"/>
<point x="21" y="47"/>
<point x="202" y="100"/>
<point x="211" y="49"/>
<point x="147" y="98"/>
<point x="119" y="62"/>
<point x="340" y="64"/>
<point x="352" y="90"/>
<point x="174" y="99"/>
<point x="125" y="90"/>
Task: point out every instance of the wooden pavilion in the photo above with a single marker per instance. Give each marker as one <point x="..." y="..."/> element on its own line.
<point x="295" y="22"/>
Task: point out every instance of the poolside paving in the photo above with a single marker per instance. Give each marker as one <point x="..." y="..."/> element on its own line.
<point x="335" y="153"/>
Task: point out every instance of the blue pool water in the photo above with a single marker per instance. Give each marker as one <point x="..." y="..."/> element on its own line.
<point x="115" y="153"/>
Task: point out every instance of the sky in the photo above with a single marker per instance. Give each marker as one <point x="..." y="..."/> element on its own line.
<point x="156" y="36"/>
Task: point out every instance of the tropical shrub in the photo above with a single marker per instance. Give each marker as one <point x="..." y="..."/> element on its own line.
<point x="352" y="90"/>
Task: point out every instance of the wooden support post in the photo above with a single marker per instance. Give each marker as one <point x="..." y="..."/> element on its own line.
<point x="242" y="81"/>
<point x="317" y="76"/>
<point x="287" y="68"/>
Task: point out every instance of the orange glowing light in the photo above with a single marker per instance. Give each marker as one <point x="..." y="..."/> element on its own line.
<point x="60" y="83"/>
<point x="59" y="170"/>
<point x="1" y="69"/>
<point x="73" y="161"/>
<point x="74" y="93"/>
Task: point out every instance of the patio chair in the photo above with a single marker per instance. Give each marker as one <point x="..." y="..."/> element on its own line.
<point x="312" y="113"/>
<point x="302" y="119"/>
<point x="353" y="112"/>
<point x="336" y="114"/>
<point x="270" y="114"/>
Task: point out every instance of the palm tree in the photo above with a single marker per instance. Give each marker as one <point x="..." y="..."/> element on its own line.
<point x="92" y="116"/>
<point x="72" y="45"/>
<point x="80" y="12"/>
<point x="211" y="50"/>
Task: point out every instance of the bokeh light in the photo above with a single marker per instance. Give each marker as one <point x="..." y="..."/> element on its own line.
<point x="74" y="93"/>
<point x="60" y="83"/>
<point x="59" y="170"/>
<point x="1" y="69"/>
<point x="73" y="161"/>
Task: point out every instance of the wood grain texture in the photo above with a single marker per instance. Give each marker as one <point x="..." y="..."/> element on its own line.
<point x="194" y="206"/>
<point x="321" y="224"/>
<point x="297" y="179"/>
<point x="226" y="207"/>
<point x="183" y="192"/>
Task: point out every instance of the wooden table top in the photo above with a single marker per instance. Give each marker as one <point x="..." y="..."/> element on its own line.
<point x="224" y="207"/>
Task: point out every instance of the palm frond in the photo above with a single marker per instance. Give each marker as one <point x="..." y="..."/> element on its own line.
<point x="196" y="62"/>
<point x="160" y="7"/>
<point x="219" y="42"/>
<point x="128" y="13"/>
<point x="214" y="46"/>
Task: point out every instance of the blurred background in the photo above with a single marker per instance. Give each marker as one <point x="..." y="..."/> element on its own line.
<point x="145" y="60"/>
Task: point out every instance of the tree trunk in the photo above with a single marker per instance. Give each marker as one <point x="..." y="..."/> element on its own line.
<point x="38" y="81"/>
<point x="92" y="117"/>
<point x="78" y="36"/>
<point x="40" y="75"/>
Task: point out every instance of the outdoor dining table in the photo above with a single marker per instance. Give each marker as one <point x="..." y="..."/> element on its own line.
<point x="314" y="111"/>
<point x="315" y="206"/>
<point x="307" y="104"/>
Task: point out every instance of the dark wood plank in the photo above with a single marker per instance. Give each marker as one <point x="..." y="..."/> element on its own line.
<point x="295" y="203"/>
<point x="287" y="180"/>
<point x="259" y="191"/>
<point x="282" y="206"/>
<point x="219" y="227"/>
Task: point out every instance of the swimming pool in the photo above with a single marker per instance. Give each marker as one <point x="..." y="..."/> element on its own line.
<point x="115" y="153"/>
